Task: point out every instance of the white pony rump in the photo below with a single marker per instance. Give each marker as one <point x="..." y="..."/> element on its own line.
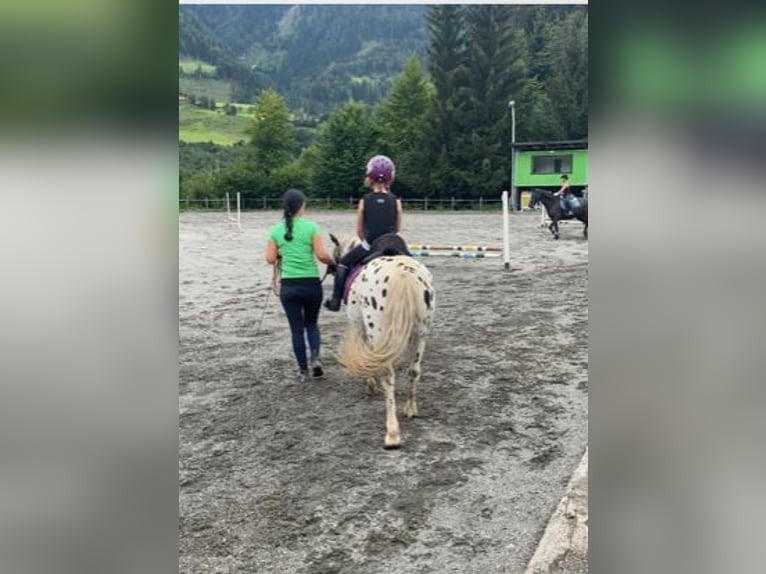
<point x="390" y="306"/>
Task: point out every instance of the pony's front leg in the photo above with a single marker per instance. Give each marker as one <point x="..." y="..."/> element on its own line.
<point x="411" y="406"/>
<point x="554" y="227"/>
<point x="371" y="385"/>
<point x="392" y="439"/>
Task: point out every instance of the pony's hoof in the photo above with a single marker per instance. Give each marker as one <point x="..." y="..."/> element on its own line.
<point x="392" y="442"/>
<point x="410" y="409"/>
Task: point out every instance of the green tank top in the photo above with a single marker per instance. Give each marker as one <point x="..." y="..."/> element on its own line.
<point x="297" y="255"/>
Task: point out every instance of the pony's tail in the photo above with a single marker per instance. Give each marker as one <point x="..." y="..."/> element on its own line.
<point x="403" y="312"/>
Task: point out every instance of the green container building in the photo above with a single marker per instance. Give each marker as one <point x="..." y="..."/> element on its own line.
<point x="541" y="164"/>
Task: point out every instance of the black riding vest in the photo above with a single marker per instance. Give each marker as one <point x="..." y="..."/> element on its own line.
<point x="379" y="215"/>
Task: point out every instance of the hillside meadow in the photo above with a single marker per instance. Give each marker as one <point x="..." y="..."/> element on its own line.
<point x="200" y="125"/>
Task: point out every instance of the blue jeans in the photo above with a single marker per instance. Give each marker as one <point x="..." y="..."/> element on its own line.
<point x="569" y="203"/>
<point x="301" y="300"/>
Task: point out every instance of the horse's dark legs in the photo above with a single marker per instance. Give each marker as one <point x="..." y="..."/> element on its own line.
<point x="554" y="227"/>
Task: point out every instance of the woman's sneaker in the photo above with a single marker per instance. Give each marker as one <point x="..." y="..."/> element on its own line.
<point x="316" y="367"/>
<point x="302" y="376"/>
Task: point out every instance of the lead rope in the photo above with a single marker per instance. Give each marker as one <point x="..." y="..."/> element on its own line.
<point x="275" y="416"/>
<point x="274" y="288"/>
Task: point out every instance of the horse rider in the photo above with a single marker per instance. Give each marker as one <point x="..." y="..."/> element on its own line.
<point x="379" y="213"/>
<point x="568" y="200"/>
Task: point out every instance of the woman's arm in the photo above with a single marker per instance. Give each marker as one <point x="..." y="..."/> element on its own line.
<point x="399" y="215"/>
<point x="319" y="250"/>
<point x="272" y="253"/>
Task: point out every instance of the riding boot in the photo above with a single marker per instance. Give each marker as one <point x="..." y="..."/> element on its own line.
<point x="333" y="304"/>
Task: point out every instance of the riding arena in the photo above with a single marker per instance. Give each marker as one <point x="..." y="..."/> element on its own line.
<point x="281" y="477"/>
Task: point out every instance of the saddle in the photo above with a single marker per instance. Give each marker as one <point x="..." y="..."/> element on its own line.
<point x="387" y="245"/>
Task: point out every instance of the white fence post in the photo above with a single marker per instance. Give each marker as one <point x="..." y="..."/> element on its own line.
<point x="239" y="219"/>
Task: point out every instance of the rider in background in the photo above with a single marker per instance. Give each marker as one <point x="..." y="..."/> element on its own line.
<point x="379" y="213"/>
<point x="568" y="200"/>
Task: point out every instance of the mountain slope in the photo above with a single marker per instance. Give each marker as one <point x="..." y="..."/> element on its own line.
<point x="316" y="56"/>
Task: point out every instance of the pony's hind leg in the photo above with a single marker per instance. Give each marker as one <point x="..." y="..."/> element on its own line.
<point x="392" y="439"/>
<point x="411" y="406"/>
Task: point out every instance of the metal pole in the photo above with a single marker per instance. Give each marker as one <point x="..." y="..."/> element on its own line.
<point x="514" y="191"/>
<point x="506" y="233"/>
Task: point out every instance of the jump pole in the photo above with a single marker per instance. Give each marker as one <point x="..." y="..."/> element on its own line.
<point x="422" y="247"/>
<point x="228" y="207"/>
<point x="460" y="254"/>
<point x="506" y="233"/>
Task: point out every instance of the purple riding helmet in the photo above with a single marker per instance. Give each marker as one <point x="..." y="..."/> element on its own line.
<point x="381" y="168"/>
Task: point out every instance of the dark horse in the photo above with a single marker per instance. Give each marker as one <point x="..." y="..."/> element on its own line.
<point x="552" y="205"/>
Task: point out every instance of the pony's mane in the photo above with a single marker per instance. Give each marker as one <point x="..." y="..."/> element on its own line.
<point x="543" y="192"/>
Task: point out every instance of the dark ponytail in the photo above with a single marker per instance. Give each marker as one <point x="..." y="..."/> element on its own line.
<point x="292" y="201"/>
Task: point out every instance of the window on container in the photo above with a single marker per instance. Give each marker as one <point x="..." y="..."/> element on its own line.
<point x="542" y="164"/>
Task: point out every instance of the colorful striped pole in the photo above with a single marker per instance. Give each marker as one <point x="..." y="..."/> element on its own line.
<point x="461" y="254"/>
<point x="422" y="247"/>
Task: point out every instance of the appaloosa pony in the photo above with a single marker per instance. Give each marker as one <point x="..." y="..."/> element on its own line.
<point x="390" y="304"/>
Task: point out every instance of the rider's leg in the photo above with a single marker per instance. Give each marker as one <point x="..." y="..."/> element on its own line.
<point x="341" y="274"/>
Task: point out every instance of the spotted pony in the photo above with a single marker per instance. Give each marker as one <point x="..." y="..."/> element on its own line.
<point x="390" y="306"/>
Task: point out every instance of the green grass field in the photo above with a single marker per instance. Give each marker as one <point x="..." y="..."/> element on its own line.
<point x="198" y="125"/>
<point x="189" y="66"/>
<point x="219" y="90"/>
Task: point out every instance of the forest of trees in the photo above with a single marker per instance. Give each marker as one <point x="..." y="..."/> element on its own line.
<point x="316" y="57"/>
<point x="445" y="120"/>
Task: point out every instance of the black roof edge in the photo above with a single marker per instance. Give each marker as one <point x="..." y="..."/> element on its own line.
<point x="570" y="144"/>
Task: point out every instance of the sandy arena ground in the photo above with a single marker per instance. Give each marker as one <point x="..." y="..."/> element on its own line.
<point x="277" y="477"/>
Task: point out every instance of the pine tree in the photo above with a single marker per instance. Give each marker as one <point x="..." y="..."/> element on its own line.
<point x="448" y="71"/>
<point x="401" y="121"/>
<point x="567" y="84"/>
<point x="272" y="135"/>
<point x="497" y="73"/>
<point x="342" y="149"/>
